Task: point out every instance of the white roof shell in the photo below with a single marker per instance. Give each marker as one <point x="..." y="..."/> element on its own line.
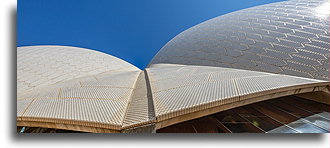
<point x="290" y="37"/>
<point x="240" y="58"/>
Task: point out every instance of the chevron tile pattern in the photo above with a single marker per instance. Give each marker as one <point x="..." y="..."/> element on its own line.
<point x="290" y="37"/>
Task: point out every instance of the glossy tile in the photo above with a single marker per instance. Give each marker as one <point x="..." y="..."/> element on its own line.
<point x="273" y="33"/>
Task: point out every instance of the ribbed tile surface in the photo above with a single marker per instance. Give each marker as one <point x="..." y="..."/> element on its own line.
<point x="22" y="106"/>
<point x="105" y="104"/>
<point x="39" y="66"/>
<point x="290" y="37"/>
<point x="179" y="81"/>
<point x="46" y="93"/>
<point x="75" y="86"/>
<point x="140" y="109"/>
<point x="235" y="74"/>
<point x="169" y="72"/>
<point x="120" y="94"/>
<point x="252" y="85"/>
<point x="69" y="85"/>
<point x="191" y="98"/>
<point x="88" y="110"/>
<point x="203" y="87"/>
<point x="125" y="79"/>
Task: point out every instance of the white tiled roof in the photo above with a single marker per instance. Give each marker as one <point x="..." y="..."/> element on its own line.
<point x="240" y="58"/>
<point x="290" y="37"/>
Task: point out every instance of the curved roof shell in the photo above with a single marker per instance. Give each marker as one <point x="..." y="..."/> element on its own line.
<point x="121" y="100"/>
<point x="290" y="37"/>
<point x="39" y="66"/>
<point x="75" y="88"/>
<point x="185" y="92"/>
<point x="240" y="58"/>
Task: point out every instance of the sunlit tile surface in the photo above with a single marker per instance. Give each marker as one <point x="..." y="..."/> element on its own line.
<point x="290" y="37"/>
<point x="247" y="56"/>
<point x="182" y="89"/>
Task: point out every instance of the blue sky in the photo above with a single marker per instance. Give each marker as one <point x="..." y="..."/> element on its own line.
<point x="133" y="30"/>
